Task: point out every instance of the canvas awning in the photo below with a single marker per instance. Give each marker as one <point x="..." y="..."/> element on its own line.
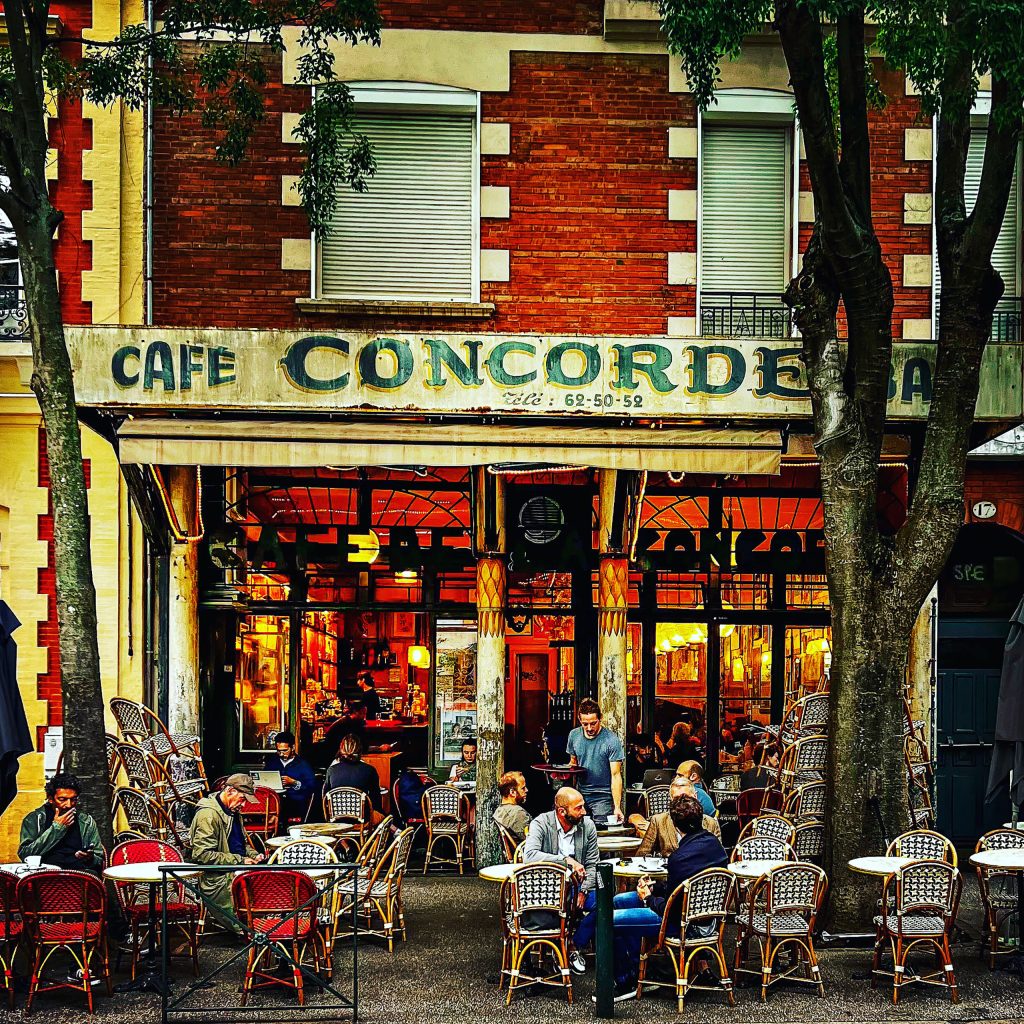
<point x="253" y="442"/>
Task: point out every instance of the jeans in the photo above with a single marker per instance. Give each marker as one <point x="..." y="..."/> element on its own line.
<point x="632" y="921"/>
<point x="588" y="924"/>
<point x="599" y="805"/>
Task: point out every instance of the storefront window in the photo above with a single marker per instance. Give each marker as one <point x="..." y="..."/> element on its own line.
<point x="261" y="680"/>
<point x="454" y="687"/>
<point x="680" y="696"/>
<point x="745" y="667"/>
<point x="808" y="660"/>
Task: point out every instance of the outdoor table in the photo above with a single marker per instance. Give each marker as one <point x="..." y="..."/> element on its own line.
<point x="612" y="844"/>
<point x="21" y="869"/>
<point x="881" y="866"/>
<point x="1011" y="861"/>
<point x="146" y="873"/>
<point x="752" y="869"/>
<point x="637" y="867"/>
<point x="499" y="872"/>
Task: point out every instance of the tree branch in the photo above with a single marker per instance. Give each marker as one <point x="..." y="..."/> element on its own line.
<point x="855" y="155"/>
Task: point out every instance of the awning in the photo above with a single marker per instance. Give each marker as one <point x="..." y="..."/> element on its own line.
<point x="252" y="442"/>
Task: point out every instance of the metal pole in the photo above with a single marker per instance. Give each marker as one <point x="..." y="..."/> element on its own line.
<point x="605" y="943"/>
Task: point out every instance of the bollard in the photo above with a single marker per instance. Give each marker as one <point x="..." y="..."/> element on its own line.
<point x="604" y="943"/>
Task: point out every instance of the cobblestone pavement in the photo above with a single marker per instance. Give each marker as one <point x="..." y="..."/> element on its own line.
<point x="441" y="975"/>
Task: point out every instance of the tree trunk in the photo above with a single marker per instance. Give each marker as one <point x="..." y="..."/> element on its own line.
<point x="52" y="382"/>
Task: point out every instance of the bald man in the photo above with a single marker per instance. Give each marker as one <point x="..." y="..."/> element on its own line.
<point x="568" y="836"/>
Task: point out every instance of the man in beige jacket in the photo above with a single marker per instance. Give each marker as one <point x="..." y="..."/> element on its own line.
<point x="660" y="838"/>
<point x="219" y="838"/>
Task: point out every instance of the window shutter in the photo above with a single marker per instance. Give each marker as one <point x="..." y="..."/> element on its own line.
<point x="411" y="234"/>
<point x="743" y="209"/>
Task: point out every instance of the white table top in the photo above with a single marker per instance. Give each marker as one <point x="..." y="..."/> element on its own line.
<point x="1010" y="824"/>
<point x="608" y="843"/>
<point x="882" y="866"/>
<point x="144" y="871"/>
<point x="754" y="868"/>
<point x="322" y="830"/>
<point x="1007" y="860"/>
<point x="637" y="867"/>
<point x="20" y="868"/>
<point x="274" y="842"/>
<point x="498" y="872"/>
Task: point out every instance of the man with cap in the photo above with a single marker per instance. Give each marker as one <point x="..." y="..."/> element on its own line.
<point x="219" y="838"/>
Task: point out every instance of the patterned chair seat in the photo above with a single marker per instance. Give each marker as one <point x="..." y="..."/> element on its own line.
<point x="378" y="890"/>
<point x="451" y="828"/>
<point x="69" y="931"/>
<point x="782" y="924"/>
<point x="175" y="911"/>
<point x="11" y="928"/>
<point x="1002" y="891"/>
<point x="283" y="928"/>
<point x="161" y="746"/>
<point x="916" y="924"/>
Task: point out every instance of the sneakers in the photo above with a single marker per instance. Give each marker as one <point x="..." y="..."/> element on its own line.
<point x="624" y="991"/>
<point x="577" y="962"/>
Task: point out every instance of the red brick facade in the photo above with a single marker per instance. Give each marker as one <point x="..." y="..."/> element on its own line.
<point x="1001" y="483"/>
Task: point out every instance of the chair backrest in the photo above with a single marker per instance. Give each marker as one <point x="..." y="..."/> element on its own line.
<point x="772" y="825"/>
<point x="392" y="864"/>
<point x="811" y="754"/>
<point x="262" y="818"/>
<point x="923" y="844"/>
<point x="443" y="803"/>
<point x="372" y="846"/>
<point x="304" y="851"/>
<point x="806" y="801"/>
<point x="814" y="714"/>
<point x="927" y="885"/>
<point x="808" y="840"/>
<point x="519" y="853"/>
<point x="10" y="911"/>
<point x="751" y="802"/>
<point x="536" y="887"/>
<point x="655" y="800"/>
<point x="137" y="769"/>
<point x="508" y="842"/>
<point x="138" y="810"/>
<point x="276" y="895"/>
<point x="794" y="889"/>
<point x="142" y="851"/>
<point x="762" y="848"/>
<point x="347" y="804"/>
<point x="60" y="897"/>
<point x="132" y="720"/>
<point x="707" y="894"/>
<point x="1001" y="839"/>
<point x="114" y="765"/>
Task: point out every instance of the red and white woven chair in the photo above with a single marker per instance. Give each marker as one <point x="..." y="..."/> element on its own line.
<point x="10" y="930"/>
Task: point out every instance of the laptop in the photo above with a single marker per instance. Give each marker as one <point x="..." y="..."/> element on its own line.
<point x="269" y="780"/>
<point x="658" y="777"/>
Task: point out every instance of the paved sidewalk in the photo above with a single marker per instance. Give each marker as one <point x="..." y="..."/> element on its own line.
<point x="439" y="977"/>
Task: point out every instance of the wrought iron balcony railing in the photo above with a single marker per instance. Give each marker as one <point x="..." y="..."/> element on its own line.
<point x="744" y="315"/>
<point x="13" y="313"/>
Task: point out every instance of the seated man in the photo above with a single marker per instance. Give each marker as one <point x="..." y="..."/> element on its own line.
<point x="510" y="812"/>
<point x="296" y="776"/>
<point x="464" y="770"/>
<point x="694" y="773"/>
<point x="765" y="772"/>
<point x="568" y="836"/>
<point x="59" y="833"/>
<point x="660" y="835"/>
<point x="639" y="913"/>
<point x="219" y="838"/>
<point x="351" y="770"/>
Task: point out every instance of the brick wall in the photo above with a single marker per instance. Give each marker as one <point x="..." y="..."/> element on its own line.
<point x="588" y="177"/>
<point x="558" y="16"/>
<point x="1002" y="483"/>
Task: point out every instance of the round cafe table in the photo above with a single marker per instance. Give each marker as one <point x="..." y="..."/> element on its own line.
<point x="1011" y="861"/>
<point x="499" y="872"/>
<point x="21" y="869"/>
<point x="637" y="867"/>
<point x="617" y="843"/>
<point x="146" y="873"/>
<point x="881" y="866"/>
<point x="752" y="869"/>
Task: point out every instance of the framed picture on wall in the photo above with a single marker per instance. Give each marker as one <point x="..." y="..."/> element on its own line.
<point x="402" y="625"/>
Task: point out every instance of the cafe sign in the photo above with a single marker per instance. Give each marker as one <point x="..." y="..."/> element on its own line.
<point x="177" y="369"/>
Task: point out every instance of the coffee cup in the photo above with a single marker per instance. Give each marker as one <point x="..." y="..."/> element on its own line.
<point x="612" y="819"/>
<point x="33" y="860"/>
<point x="295" y="831"/>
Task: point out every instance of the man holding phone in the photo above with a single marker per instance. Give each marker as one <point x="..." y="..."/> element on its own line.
<point x="58" y="833"/>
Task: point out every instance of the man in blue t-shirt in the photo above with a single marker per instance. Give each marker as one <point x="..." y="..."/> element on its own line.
<point x="599" y="751"/>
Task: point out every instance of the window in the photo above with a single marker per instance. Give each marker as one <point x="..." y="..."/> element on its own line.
<point x="744" y="253"/>
<point x="13" y="316"/>
<point x="413" y="235"/>
<point x="1006" y="253"/>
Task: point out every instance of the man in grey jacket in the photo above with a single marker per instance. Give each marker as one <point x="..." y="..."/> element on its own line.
<point x="568" y="836"/>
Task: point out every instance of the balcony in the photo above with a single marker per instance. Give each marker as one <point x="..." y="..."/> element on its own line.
<point x="744" y="315"/>
<point x="13" y="313"/>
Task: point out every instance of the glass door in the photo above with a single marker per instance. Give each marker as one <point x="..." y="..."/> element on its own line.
<point x="261" y="679"/>
<point x="680" y="691"/>
<point x="808" y="660"/>
<point x="745" y="702"/>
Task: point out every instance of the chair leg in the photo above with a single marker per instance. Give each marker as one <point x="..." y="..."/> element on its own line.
<point x="135" y="948"/>
<point x="515" y="959"/>
<point x="726" y="980"/>
<point x="897" y="970"/>
<point x="812" y="958"/>
<point x="947" y="966"/>
<point x="33" y="984"/>
<point x="297" y="974"/>
<point x="86" y="979"/>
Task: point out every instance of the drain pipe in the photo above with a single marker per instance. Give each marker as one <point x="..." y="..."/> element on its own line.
<point x="147" y="182"/>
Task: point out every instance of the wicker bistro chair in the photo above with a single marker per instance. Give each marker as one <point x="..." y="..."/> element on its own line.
<point x="146" y="816"/>
<point x="184" y="913"/>
<point x="804" y="761"/>
<point x="536" y="907"/>
<point x="508" y="843"/>
<point x="351" y="806"/>
<point x="807" y="716"/>
<point x="135" y="763"/>
<point x="808" y="841"/>
<point x="923" y="844"/>
<point x="806" y="801"/>
<point x="373" y="845"/>
<point x="65" y="910"/>
<point x="762" y="848"/>
<point x="918" y="761"/>
<point x="114" y="766"/>
<point x="702" y="903"/>
<point x="998" y="889"/>
<point x="655" y="801"/>
<point x="10" y="930"/>
<point x="140" y="725"/>
<point x="781" y="915"/>
<point x="918" y="907"/>
<point x="772" y="825"/>
<point x="315" y="853"/>
<point x="282" y="906"/>
<point x="377" y="893"/>
<point x="262" y="819"/>
<point x="446" y="813"/>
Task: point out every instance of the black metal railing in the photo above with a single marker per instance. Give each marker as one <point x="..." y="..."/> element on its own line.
<point x="744" y="315"/>
<point x="13" y="312"/>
